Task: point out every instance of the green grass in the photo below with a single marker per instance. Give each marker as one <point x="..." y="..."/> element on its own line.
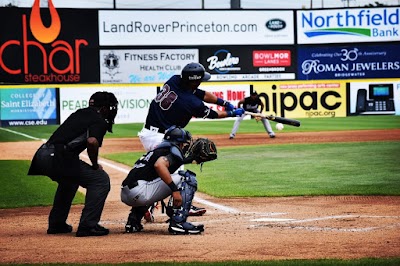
<point x="225" y="126"/>
<point x="360" y="168"/>
<point x="20" y="190"/>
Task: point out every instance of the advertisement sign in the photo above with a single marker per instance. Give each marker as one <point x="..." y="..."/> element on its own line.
<point x="63" y="51"/>
<point x="194" y="27"/>
<point x="349" y="62"/>
<point x="230" y="93"/>
<point x="348" y="25"/>
<point x="26" y="107"/>
<point x="144" y="66"/>
<point x="133" y="101"/>
<point x="374" y="98"/>
<point x="231" y="63"/>
<point x="297" y="99"/>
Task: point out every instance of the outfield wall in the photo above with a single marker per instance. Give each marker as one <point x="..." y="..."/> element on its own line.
<point x="47" y="104"/>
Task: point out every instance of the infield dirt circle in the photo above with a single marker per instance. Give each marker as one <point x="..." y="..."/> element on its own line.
<point x="235" y="228"/>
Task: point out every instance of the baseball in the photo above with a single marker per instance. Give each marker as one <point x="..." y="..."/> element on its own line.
<point x="279" y="126"/>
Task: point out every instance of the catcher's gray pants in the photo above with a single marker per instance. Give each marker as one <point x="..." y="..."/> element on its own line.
<point x="148" y="192"/>
<point x="97" y="184"/>
<point x="239" y="119"/>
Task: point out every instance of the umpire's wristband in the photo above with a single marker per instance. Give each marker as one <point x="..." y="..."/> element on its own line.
<point x="173" y="187"/>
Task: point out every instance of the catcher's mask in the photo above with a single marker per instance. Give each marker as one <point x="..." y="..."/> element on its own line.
<point x="107" y="103"/>
<point x="178" y="136"/>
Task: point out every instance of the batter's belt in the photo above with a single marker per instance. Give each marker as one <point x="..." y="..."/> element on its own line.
<point x="155" y="129"/>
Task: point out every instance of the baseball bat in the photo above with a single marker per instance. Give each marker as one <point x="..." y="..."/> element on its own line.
<point x="278" y="119"/>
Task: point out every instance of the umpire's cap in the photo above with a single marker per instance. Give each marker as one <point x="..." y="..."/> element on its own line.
<point x="195" y="72"/>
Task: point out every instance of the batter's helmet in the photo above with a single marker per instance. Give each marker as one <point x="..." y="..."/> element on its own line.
<point x="195" y="72"/>
<point x="177" y="135"/>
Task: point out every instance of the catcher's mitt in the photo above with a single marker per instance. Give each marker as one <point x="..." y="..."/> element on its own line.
<point x="202" y="150"/>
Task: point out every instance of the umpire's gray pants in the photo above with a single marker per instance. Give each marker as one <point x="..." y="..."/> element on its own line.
<point x="97" y="184"/>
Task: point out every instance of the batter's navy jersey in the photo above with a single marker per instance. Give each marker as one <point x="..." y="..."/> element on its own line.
<point x="175" y="105"/>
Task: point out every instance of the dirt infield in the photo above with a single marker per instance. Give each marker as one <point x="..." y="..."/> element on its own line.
<point x="236" y="228"/>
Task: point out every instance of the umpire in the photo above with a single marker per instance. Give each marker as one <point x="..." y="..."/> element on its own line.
<point x="59" y="159"/>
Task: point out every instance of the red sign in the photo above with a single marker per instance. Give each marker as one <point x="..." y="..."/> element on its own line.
<point x="271" y="58"/>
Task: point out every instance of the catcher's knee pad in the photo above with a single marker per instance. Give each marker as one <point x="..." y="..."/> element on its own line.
<point x="188" y="189"/>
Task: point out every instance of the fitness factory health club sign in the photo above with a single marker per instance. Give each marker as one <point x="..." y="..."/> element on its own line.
<point x="144" y="66"/>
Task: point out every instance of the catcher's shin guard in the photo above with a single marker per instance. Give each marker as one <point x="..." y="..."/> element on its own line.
<point x="178" y="224"/>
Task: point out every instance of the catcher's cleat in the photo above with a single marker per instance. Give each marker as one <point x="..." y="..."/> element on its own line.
<point x="149" y="215"/>
<point x="196" y="211"/>
<point x="133" y="227"/>
<point x="133" y="224"/>
<point x="184" y="228"/>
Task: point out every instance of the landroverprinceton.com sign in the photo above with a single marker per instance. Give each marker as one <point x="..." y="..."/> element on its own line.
<point x="183" y="27"/>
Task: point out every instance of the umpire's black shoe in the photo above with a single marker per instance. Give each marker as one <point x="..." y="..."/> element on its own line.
<point x="59" y="229"/>
<point x="98" y="230"/>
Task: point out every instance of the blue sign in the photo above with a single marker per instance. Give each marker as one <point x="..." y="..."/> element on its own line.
<point x="349" y="62"/>
<point x="28" y="106"/>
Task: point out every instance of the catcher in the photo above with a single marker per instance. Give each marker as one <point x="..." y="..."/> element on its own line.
<point x="150" y="180"/>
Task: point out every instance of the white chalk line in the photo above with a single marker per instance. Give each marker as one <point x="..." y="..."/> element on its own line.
<point x="283" y="223"/>
<point x="19" y="133"/>
<point x="227" y="209"/>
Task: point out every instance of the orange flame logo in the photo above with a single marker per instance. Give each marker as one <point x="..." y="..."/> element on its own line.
<point x="39" y="31"/>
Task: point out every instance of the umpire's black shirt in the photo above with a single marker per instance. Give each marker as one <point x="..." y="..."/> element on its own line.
<point x="78" y="127"/>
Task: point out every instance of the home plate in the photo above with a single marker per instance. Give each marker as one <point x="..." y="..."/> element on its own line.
<point x="272" y="220"/>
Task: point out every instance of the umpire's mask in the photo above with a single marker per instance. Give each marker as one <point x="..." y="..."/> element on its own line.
<point x="108" y="104"/>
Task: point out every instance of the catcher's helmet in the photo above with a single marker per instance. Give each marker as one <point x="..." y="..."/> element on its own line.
<point x="195" y="72"/>
<point x="177" y="135"/>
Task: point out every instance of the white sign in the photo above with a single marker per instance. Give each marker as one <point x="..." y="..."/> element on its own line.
<point x="144" y="66"/>
<point x="184" y="27"/>
<point x="133" y="101"/>
<point x="262" y="76"/>
<point x="348" y="25"/>
<point x="230" y="93"/>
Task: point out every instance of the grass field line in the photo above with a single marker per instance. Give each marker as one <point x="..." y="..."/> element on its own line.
<point x="21" y="134"/>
